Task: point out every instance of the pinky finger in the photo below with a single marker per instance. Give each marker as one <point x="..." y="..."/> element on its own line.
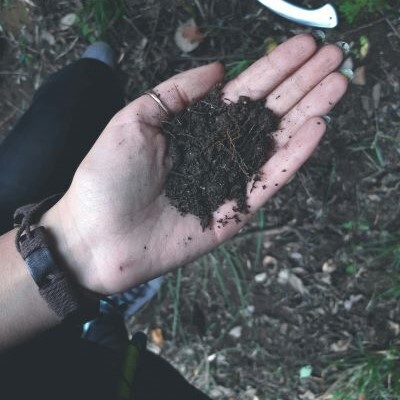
<point x="286" y="161"/>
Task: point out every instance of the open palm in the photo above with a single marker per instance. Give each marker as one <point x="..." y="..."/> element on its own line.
<point x="116" y="216"/>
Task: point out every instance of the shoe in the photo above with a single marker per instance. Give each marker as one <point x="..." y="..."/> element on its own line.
<point x="100" y="51"/>
<point x="108" y="329"/>
<point x="129" y="302"/>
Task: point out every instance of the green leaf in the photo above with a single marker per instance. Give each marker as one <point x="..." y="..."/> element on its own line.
<point x="351" y="269"/>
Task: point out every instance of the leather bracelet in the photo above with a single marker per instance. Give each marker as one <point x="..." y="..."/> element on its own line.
<point x="70" y="302"/>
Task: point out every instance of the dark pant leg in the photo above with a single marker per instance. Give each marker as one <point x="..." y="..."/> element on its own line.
<point x="40" y="155"/>
<point x="156" y="379"/>
<point x="60" y="365"/>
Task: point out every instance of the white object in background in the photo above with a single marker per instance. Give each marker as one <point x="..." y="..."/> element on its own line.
<point x="324" y="17"/>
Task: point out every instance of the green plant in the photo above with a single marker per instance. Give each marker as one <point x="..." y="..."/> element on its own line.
<point x="236" y="67"/>
<point x="367" y="374"/>
<point x="97" y="16"/>
<point x="387" y="249"/>
<point x="24" y="56"/>
<point x="358" y="226"/>
<point x="259" y="236"/>
<point x="352" y="9"/>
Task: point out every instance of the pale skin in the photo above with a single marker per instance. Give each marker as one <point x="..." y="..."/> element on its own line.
<point x="115" y="228"/>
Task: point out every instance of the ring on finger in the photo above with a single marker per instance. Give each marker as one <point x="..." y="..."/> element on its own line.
<point x="154" y="96"/>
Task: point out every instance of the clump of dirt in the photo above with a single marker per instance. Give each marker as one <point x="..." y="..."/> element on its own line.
<point x="216" y="150"/>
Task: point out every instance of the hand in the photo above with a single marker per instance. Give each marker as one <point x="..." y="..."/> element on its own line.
<point x="116" y="228"/>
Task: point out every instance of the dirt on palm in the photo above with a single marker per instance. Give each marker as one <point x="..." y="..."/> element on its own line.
<point x="217" y="148"/>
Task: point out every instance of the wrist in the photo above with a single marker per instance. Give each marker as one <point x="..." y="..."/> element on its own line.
<point x="70" y="248"/>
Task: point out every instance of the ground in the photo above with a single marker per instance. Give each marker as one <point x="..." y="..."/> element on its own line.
<point x="314" y="278"/>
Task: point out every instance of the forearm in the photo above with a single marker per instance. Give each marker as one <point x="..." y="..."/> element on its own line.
<point x="23" y="312"/>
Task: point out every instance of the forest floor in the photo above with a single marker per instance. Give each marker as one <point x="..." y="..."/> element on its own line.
<point x="313" y="279"/>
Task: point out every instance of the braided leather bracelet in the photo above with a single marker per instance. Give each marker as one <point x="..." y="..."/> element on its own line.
<point x="70" y="302"/>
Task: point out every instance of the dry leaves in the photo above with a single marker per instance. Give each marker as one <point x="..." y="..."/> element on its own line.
<point x="285" y="277"/>
<point x="359" y="76"/>
<point x="235" y="332"/>
<point x="270" y="262"/>
<point x="157" y="337"/>
<point x="67" y="21"/>
<point x="188" y="36"/>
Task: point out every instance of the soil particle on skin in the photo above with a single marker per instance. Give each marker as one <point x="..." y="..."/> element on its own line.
<point x="216" y="150"/>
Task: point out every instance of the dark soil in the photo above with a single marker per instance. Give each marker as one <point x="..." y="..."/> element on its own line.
<point x="216" y="149"/>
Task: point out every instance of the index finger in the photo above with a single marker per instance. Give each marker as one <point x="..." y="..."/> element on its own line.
<point x="268" y="72"/>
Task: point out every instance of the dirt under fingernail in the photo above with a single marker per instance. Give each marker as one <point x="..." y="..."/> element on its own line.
<point x="216" y="149"/>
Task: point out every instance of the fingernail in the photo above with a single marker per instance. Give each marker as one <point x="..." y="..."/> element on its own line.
<point x="344" y="46"/>
<point x="327" y="119"/>
<point x="347" y="72"/>
<point x="318" y="35"/>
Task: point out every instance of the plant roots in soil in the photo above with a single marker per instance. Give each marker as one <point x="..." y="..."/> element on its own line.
<point x="217" y="148"/>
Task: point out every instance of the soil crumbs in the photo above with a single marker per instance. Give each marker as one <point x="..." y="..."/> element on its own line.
<point x="217" y="148"/>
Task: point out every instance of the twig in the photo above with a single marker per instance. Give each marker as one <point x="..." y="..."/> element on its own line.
<point x="5" y="120"/>
<point x="152" y="35"/>
<point x="395" y="31"/>
<point x="129" y="21"/>
<point x="360" y="28"/>
<point x="200" y="7"/>
<point x="266" y="232"/>
<point x="13" y="73"/>
<point x="70" y="47"/>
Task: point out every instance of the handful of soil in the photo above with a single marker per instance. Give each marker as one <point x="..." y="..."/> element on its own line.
<point x="216" y="150"/>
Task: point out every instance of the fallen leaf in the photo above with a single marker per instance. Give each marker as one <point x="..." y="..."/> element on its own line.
<point x="359" y="77"/>
<point x="48" y="37"/>
<point x="67" y="21"/>
<point x="329" y="266"/>
<point x="14" y="17"/>
<point x="395" y="327"/>
<point x="188" y="36"/>
<point x="270" y="44"/>
<point x="374" y="197"/>
<point x="296" y="256"/>
<point x="286" y="277"/>
<point x="270" y="262"/>
<point x="157" y="337"/>
<point x="340" y="346"/>
<point x="376" y="94"/>
<point x="308" y="395"/>
<point x="260" y="278"/>
<point x="364" y="46"/>
<point x="235" y="332"/>
<point x="366" y="103"/>
<point x="30" y="3"/>
<point x="219" y="392"/>
<point x="249" y="311"/>
<point x="211" y="357"/>
<point x="353" y="299"/>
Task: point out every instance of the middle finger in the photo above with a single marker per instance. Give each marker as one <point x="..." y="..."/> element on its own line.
<point x="294" y="88"/>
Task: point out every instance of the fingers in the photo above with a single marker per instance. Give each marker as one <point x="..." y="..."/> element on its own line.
<point x="293" y="89"/>
<point x="268" y="72"/>
<point x="178" y="92"/>
<point x="318" y="102"/>
<point x="286" y="161"/>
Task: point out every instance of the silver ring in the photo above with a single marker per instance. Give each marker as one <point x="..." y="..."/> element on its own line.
<point x="158" y="101"/>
